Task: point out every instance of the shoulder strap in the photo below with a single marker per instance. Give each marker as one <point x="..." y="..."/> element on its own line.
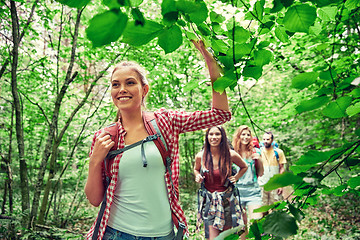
<point x="276" y="155"/>
<point x="152" y="128"/>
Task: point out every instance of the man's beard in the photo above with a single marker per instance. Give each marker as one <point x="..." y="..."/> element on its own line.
<point x="267" y="145"/>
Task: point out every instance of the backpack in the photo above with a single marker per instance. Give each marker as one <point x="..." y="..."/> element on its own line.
<point x="154" y="135"/>
<point x="275" y="146"/>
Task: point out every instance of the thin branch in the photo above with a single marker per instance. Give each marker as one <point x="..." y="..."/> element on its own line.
<point x="38" y="105"/>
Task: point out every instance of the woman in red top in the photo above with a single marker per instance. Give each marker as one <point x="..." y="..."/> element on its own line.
<point x="213" y="168"/>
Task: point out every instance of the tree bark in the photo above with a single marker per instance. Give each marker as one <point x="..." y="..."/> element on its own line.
<point x="24" y="186"/>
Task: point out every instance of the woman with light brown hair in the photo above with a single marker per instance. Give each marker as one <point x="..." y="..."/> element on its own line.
<point x="248" y="186"/>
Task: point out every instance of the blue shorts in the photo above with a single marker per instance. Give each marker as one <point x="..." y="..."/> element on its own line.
<point x="113" y="234"/>
<point x="250" y="194"/>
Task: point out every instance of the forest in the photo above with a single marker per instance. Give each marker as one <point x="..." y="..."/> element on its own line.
<point x="289" y="66"/>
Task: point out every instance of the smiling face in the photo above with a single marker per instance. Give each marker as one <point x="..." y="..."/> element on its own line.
<point x="127" y="89"/>
<point x="245" y="137"/>
<point x="214" y="137"/>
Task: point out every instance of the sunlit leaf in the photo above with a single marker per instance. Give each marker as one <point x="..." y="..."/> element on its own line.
<point x="304" y="80"/>
<point x="313" y="157"/>
<point x="170" y="39"/>
<point x="259" y="9"/>
<point x="106" y="27"/>
<point x="265" y="208"/>
<point x="262" y="57"/>
<point x="354" y="182"/>
<point x="327" y="13"/>
<point x="239" y="34"/>
<point x="353" y="109"/>
<point x="138" y="35"/>
<point x="337" y="108"/>
<point x="215" y="17"/>
<point x="197" y="11"/>
<point x="252" y="71"/>
<point x="352" y="4"/>
<point x="299" y="18"/>
<point x="312" y="104"/>
<point x="74" y="3"/>
<point x="282" y="180"/>
<point x="280" y="33"/>
<point x="280" y="224"/>
<point x="225" y="81"/>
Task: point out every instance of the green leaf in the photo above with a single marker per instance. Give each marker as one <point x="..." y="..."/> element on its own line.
<point x="170" y="39"/>
<point x="337" y="108"/>
<point x="265" y="208"/>
<point x="217" y="18"/>
<point x="277" y="6"/>
<point x="281" y="34"/>
<point x="219" y="45"/>
<point x="287" y="3"/>
<point x="315" y="29"/>
<point x="262" y="57"/>
<point x="313" y="157"/>
<point x="282" y="180"/>
<point x="357" y="132"/>
<point x="254" y="228"/>
<point x="241" y="35"/>
<point x="106" y="27"/>
<point x="204" y="29"/>
<point x="340" y="190"/>
<point x="169" y="11"/>
<point x="225" y="81"/>
<point x="138" y="16"/>
<point x="354" y="182"/>
<point x="259" y="9"/>
<point x="312" y="104"/>
<point x="74" y="3"/>
<point x="197" y="11"/>
<point x="111" y="4"/>
<point x="252" y="71"/>
<point x="296" y="212"/>
<point x="138" y="35"/>
<point x="135" y="3"/>
<point x="299" y="18"/>
<point x="353" y="109"/>
<point x="352" y="4"/>
<point x="327" y="13"/>
<point x="280" y="224"/>
<point x="304" y="80"/>
<point x="191" y="35"/>
<point x="296" y="169"/>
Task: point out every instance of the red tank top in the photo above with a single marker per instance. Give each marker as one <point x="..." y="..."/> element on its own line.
<point x="216" y="184"/>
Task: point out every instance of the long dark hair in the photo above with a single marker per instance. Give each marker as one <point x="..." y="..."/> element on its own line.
<point x="224" y="160"/>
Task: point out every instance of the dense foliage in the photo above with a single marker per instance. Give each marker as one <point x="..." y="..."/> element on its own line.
<point x="291" y="66"/>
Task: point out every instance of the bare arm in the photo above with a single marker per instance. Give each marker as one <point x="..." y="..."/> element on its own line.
<point x="259" y="164"/>
<point x="237" y="159"/>
<point x="94" y="188"/>
<point x="197" y="167"/>
<point x="219" y="101"/>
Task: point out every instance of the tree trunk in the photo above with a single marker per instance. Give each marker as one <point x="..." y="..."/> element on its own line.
<point x="24" y="186"/>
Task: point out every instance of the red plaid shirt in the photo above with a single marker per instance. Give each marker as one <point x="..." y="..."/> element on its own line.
<point x="172" y="123"/>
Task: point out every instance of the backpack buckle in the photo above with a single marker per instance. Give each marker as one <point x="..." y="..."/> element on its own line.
<point x="151" y="137"/>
